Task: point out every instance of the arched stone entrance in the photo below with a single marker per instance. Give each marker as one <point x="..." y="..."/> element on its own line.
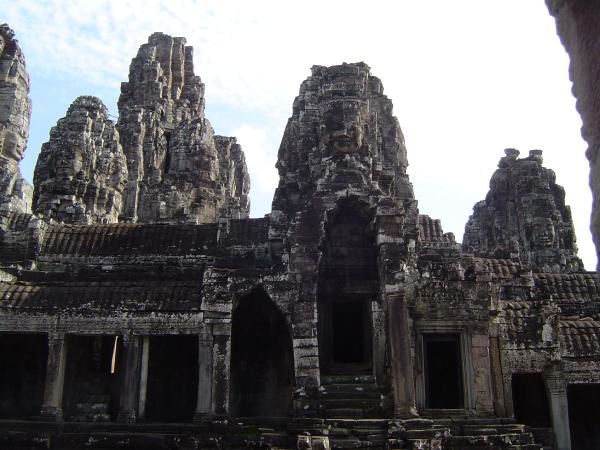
<point x="262" y="360"/>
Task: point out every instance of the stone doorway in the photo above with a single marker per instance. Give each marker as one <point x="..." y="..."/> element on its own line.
<point x="262" y="361"/>
<point x="347" y="285"/>
<point x="172" y="387"/>
<point x="24" y="358"/>
<point x="530" y="402"/>
<point x="345" y="344"/>
<point x="443" y="371"/>
<point x="584" y="416"/>
<point x="91" y="389"/>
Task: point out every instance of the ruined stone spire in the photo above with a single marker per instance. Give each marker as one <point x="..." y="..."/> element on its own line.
<point x="342" y="135"/>
<point x="179" y="171"/>
<point x="81" y="171"/>
<point x="524" y="215"/>
<point x="15" y="111"/>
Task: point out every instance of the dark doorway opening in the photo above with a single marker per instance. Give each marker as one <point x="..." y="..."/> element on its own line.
<point x="443" y="371"/>
<point x="530" y="402"/>
<point x="348" y="283"/>
<point x="172" y="388"/>
<point x="348" y="333"/>
<point x="91" y="389"/>
<point x="584" y="416"/>
<point x="24" y="359"/>
<point x="262" y="361"/>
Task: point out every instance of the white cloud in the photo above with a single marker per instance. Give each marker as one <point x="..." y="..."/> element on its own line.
<point x="468" y="78"/>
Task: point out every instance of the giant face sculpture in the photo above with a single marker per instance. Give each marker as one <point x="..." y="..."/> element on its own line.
<point x="342" y="129"/>
<point x="10" y="146"/>
<point x="543" y="233"/>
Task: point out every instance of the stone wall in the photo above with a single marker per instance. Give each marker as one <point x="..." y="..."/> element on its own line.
<point x="577" y="27"/>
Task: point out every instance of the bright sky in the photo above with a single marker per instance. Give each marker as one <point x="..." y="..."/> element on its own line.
<point x="468" y="78"/>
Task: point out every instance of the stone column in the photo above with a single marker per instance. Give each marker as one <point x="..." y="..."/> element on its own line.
<point x="496" y="372"/>
<point x="402" y="370"/>
<point x="205" y="374"/>
<point x="144" y="377"/>
<point x="130" y="377"/>
<point x="55" y="377"/>
<point x="221" y="359"/>
<point x="559" y="407"/>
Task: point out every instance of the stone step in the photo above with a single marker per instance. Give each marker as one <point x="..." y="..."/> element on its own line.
<point x="351" y="389"/>
<point x="491" y="440"/>
<point x="427" y="433"/>
<point x="362" y="403"/>
<point x="92" y="407"/>
<point x="357" y="423"/>
<point x="471" y="430"/>
<point x="343" y="413"/>
<point x="347" y="379"/>
<point x="89" y="417"/>
<point x="356" y="443"/>
<point x="493" y="447"/>
<point x="351" y="386"/>
<point x="417" y="423"/>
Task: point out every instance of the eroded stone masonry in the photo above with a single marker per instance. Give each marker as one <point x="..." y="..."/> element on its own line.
<point x="142" y="308"/>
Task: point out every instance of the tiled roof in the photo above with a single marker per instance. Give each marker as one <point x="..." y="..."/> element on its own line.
<point x="499" y="268"/>
<point x="19" y="221"/>
<point x="128" y="239"/>
<point x="568" y="287"/>
<point x="157" y="295"/>
<point x="580" y="337"/>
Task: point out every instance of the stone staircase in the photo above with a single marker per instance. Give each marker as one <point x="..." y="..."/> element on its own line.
<point x="352" y="397"/>
<point x="93" y="406"/>
<point x="357" y="433"/>
<point x="490" y="434"/>
<point x="272" y="433"/>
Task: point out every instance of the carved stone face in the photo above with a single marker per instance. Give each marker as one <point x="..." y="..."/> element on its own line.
<point x="68" y="165"/>
<point x="343" y="130"/>
<point x="543" y="233"/>
<point x="11" y="147"/>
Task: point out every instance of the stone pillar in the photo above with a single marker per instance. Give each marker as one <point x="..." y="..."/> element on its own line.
<point x="559" y="407"/>
<point x="496" y="371"/>
<point x="144" y="377"/>
<point x="402" y="370"/>
<point x="130" y="377"/>
<point x="205" y="374"/>
<point x="221" y="360"/>
<point x="55" y="377"/>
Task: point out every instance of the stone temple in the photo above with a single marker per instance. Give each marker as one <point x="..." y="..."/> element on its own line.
<point x="142" y="308"/>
